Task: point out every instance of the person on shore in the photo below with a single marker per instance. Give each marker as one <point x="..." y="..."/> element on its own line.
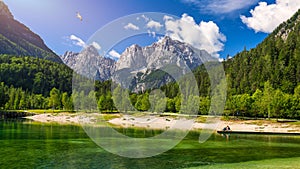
<point x="227" y="128"/>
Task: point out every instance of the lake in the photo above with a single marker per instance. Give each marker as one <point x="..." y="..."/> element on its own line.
<point x="27" y="144"/>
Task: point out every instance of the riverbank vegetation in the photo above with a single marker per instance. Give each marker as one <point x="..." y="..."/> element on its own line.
<point x="265" y="103"/>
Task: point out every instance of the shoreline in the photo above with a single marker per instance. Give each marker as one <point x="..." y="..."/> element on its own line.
<point x="166" y="122"/>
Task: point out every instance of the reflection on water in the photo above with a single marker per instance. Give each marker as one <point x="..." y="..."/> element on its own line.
<point x="226" y="135"/>
<point x="26" y="144"/>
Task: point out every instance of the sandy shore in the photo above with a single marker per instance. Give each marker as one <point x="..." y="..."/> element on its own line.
<point x="168" y="122"/>
<point x="264" y="126"/>
<point x="156" y="122"/>
<point x="65" y="118"/>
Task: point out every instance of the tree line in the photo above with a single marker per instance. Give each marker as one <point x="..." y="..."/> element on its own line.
<point x="18" y="99"/>
<point x="265" y="103"/>
<point x="35" y="75"/>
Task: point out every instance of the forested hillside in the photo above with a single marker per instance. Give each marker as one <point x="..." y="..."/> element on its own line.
<point x="17" y="39"/>
<point x="35" y="75"/>
<point x="32" y="83"/>
<point x="265" y="81"/>
<point x="276" y="59"/>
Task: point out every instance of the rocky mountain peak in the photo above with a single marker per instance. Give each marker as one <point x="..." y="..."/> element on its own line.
<point x="133" y="48"/>
<point x="4" y="11"/>
<point x="72" y="59"/>
<point x="91" y="50"/>
<point x="165" y="51"/>
<point x="137" y="60"/>
<point x="166" y="40"/>
<point x="139" y="63"/>
<point x="88" y="62"/>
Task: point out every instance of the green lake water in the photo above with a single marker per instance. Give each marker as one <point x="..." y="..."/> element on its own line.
<point x="24" y="144"/>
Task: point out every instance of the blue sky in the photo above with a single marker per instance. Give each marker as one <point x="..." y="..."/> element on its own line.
<point x="229" y="24"/>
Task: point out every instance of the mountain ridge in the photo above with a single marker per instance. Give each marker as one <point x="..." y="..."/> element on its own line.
<point x="102" y="66"/>
<point x="137" y="65"/>
<point x="166" y="50"/>
<point x="276" y="59"/>
<point x="18" y="39"/>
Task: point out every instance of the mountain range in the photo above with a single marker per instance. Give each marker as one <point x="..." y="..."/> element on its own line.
<point x="17" y="39"/>
<point x="276" y="59"/>
<point x="137" y="64"/>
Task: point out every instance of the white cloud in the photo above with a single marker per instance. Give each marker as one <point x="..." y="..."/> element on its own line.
<point x="221" y="59"/>
<point x="114" y="54"/>
<point x="145" y="18"/>
<point x="96" y="45"/>
<point x="154" y="25"/>
<point x="151" y="33"/>
<point x="205" y="35"/>
<point x="220" y="6"/>
<point x="131" y="26"/>
<point x="166" y="17"/>
<point x="265" y="18"/>
<point x="77" y="41"/>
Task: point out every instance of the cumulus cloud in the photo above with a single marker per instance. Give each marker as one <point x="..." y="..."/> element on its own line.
<point x="77" y="41"/>
<point x="114" y="54"/>
<point x="265" y="18"/>
<point x="166" y="17"/>
<point x="154" y="25"/>
<point x="220" y="6"/>
<point x="205" y="35"/>
<point x="151" y="33"/>
<point x="145" y="18"/>
<point x="131" y="26"/>
<point x="96" y="45"/>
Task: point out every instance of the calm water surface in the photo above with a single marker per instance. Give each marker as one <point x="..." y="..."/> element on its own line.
<point x="24" y="144"/>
